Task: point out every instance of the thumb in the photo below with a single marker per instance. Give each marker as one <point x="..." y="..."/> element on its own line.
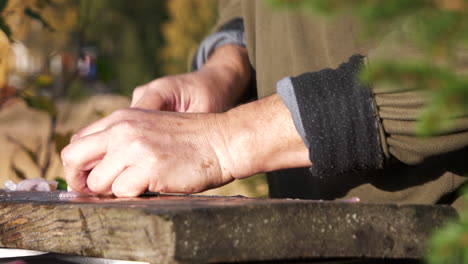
<point x="151" y="101"/>
<point x="137" y="94"/>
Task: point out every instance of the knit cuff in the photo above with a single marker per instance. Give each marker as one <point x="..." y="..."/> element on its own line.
<point x="335" y="116"/>
<point x="230" y="33"/>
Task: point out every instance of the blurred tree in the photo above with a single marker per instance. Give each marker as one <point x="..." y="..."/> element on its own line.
<point x="4" y="51"/>
<point x="40" y="30"/>
<point x="127" y="35"/>
<point x="190" y="21"/>
<point x="27" y="18"/>
<point x="449" y="245"/>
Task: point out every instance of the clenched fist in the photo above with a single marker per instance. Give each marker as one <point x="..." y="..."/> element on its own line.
<point x="134" y="150"/>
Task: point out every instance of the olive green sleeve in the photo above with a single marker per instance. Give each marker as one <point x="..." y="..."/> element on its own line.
<point x="228" y="30"/>
<point x="227" y="11"/>
<point x="398" y="110"/>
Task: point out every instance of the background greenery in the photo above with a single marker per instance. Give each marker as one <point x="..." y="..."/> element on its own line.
<point x="136" y="41"/>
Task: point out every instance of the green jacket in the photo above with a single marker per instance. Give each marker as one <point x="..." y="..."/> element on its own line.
<point x="283" y="43"/>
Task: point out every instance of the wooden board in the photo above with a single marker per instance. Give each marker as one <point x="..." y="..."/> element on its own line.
<point x="197" y="229"/>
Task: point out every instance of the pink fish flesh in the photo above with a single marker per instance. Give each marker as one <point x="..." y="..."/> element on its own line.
<point x="36" y="184"/>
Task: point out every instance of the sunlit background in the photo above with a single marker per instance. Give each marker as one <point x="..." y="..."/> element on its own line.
<point x="70" y="62"/>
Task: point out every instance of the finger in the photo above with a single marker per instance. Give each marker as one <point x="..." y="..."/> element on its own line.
<point x="95" y="127"/>
<point x="81" y="156"/>
<point x="151" y="100"/>
<point x="102" y="176"/>
<point x="132" y="182"/>
<point x="98" y="126"/>
<point x="80" y="183"/>
<point x="137" y="94"/>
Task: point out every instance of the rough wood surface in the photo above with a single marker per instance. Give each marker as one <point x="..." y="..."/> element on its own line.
<point x="197" y="229"/>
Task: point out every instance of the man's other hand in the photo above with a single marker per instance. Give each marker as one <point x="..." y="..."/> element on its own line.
<point x="216" y="87"/>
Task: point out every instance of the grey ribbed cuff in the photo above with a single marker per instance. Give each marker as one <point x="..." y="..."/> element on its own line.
<point x="287" y="94"/>
<point x="214" y="41"/>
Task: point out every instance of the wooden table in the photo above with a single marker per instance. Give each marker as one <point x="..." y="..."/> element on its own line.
<point x="198" y="229"/>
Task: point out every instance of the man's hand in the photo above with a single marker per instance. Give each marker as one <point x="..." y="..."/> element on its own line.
<point x="216" y="87"/>
<point x="135" y="150"/>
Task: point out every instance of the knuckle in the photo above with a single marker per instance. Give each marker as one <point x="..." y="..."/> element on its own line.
<point x="161" y="187"/>
<point x="139" y="90"/>
<point x="79" y="134"/>
<point x="75" y="137"/>
<point x="123" y="114"/>
<point x="138" y="93"/>
<point x="122" y="191"/>
<point x="66" y="155"/>
<point x="188" y="189"/>
<point x="140" y="145"/>
<point x="125" y="127"/>
<point x="93" y="185"/>
<point x="119" y="113"/>
<point x="74" y="181"/>
<point x="163" y="83"/>
<point x="117" y="190"/>
<point x="158" y="83"/>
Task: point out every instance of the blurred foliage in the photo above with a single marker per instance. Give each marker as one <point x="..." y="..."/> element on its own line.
<point x="55" y="141"/>
<point x="44" y="12"/>
<point x="448" y="90"/>
<point x="4" y="51"/>
<point x="62" y="184"/>
<point x="57" y="16"/>
<point x="440" y="29"/>
<point x="136" y="41"/>
<point x="256" y="185"/>
<point x="76" y="91"/>
<point x="141" y="40"/>
<point x="36" y="15"/>
<point x="128" y="37"/>
<point x="61" y="140"/>
<point x="39" y="102"/>
<point x="182" y="36"/>
<point x="449" y="245"/>
<point x="45" y="24"/>
<point x="3" y="25"/>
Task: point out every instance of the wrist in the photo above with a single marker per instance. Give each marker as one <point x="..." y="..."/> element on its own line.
<point x="261" y="137"/>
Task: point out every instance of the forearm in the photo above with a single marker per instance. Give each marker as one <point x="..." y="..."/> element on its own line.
<point x="261" y="137"/>
<point x="229" y="70"/>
